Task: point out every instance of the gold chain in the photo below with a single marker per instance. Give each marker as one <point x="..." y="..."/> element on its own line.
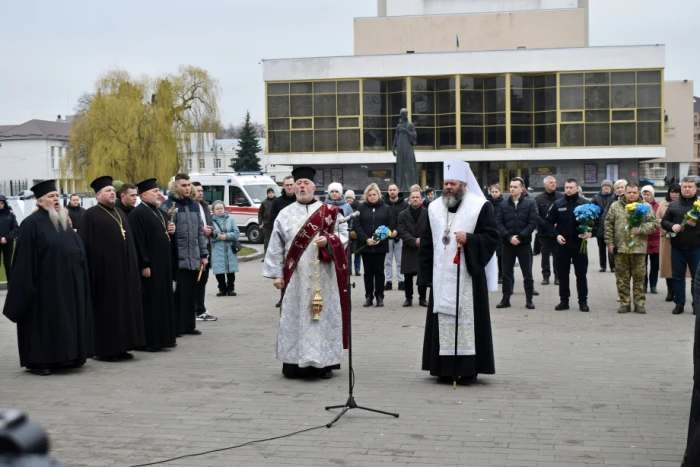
<point x="117" y="219"/>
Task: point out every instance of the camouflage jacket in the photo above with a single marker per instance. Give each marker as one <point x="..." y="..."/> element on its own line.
<point x="616" y="232"/>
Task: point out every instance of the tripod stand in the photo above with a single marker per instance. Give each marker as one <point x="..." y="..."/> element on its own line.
<point x="350" y="403"/>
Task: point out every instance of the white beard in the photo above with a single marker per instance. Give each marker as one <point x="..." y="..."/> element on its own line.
<point x="305" y="198"/>
<point x="58" y="218"/>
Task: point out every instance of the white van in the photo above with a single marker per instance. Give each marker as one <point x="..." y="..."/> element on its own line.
<point x="242" y="192"/>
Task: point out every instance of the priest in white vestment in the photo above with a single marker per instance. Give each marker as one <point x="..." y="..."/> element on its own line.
<point x="462" y="217"/>
<point x="306" y="257"/>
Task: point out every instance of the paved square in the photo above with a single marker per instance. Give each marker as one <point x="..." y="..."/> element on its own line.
<point x="571" y="389"/>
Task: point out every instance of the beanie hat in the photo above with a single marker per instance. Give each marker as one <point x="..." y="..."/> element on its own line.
<point x="349" y="194"/>
<point x="649" y="188"/>
<point x="216" y="203"/>
<point x="335" y="186"/>
<point x="606" y="182"/>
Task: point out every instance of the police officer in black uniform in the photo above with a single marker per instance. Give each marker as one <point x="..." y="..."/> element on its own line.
<point x="562" y="224"/>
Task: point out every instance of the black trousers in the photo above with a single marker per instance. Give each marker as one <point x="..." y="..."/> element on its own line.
<point x="603" y="253"/>
<point x="652" y="276"/>
<point x="408" y="283"/>
<point x="185" y="298"/>
<point x="524" y="254"/>
<point x="566" y="254"/>
<point x="226" y="281"/>
<point x="6" y="251"/>
<point x="374" y="274"/>
<point x="201" y="291"/>
<point x="549" y="247"/>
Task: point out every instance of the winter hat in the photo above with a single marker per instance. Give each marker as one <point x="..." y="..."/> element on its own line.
<point x="349" y="194"/>
<point x="650" y="189"/>
<point x="216" y="203"/>
<point x="335" y="186"/>
<point x="606" y="182"/>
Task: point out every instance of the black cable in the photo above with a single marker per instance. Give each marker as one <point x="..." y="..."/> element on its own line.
<point x="230" y="447"/>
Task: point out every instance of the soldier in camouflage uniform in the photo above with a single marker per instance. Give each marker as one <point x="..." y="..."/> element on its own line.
<point x="630" y="262"/>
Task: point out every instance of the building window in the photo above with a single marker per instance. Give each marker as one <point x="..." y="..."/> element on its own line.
<point x="433" y="109"/>
<point x="483" y="112"/>
<point x="382" y="101"/>
<point x="611" y="108"/>
<point x="53" y="157"/>
<point x="533" y="107"/>
<point x="201" y="163"/>
<point x="231" y="162"/>
<point x="217" y="163"/>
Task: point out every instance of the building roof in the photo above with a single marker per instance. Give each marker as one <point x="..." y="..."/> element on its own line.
<point x="36" y="129"/>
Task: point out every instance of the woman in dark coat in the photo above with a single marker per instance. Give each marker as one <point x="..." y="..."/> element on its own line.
<point x="373" y="214"/>
<point x="496" y="199"/>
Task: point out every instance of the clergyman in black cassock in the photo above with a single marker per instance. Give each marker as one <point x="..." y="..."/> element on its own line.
<point x="467" y="219"/>
<point x="49" y="297"/>
<point x="154" y="246"/>
<point x="115" y="282"/>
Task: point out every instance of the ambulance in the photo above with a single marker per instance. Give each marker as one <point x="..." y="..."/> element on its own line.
<point x="242" y="193"/>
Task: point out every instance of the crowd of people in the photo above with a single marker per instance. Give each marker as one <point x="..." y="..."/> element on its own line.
<point x="127" y="274"/>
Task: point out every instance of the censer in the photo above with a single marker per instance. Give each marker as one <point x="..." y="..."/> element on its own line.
<point x="317" y="304"/>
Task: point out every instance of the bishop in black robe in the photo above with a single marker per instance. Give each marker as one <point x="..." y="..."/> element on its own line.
<point x="480" y="248"/>
<point x="49" y="297"/>
<point x="154" y="247"/>
<point x="115" y="282"/>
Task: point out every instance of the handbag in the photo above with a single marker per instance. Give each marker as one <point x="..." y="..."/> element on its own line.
<point x="236" y="246"/>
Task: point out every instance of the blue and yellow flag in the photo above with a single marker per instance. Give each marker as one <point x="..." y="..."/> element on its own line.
<point x="458" y="42"/>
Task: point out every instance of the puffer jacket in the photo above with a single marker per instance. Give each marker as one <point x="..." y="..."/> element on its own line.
<point x="223" y="259"/>
<point x="371" y="217"/>
<point x="517" y="221"/>
<point x="688" y="239"/>
<point x="8" y="222"/>
<point x="616" y="233"/>
<point x="654" y="240"/>
<point x="191" y="241"/>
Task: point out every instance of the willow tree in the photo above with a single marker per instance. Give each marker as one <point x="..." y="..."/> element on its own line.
<point x="137" y="128"/>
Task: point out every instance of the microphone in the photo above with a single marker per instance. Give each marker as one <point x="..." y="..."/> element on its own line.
<point x="350" y="217"/>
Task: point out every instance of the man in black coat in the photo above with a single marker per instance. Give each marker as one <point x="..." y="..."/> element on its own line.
<point x="562" y="224"/>
<point x="517" y="218"/>
<point x="602" y="199"/>
<point x="8" y="232"/>
<point x="127" y="198"/>
<point x="411" y="225"/>
<point x="543" y="202"/>
<point x="75" y="211"/>
<point x="285" y="199"/>
<point x="394" y="199"/>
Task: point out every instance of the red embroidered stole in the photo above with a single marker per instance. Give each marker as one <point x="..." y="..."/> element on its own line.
<point x="321" y="222"/>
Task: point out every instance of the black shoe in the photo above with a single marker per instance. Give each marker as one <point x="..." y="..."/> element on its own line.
<point x="583" y="306"/>
<point x="40" y="371"/>
<point x="535" y="292"/>
<point x="529" y="305"/>
<point x="563" y="305"/>
<point x="402" y="286"/>
<point x="327" y="373"/>
<point x="380" y="302"/>
<point x="612" y="270"/>
<point x="231" y="293"/>
<point x="505" y="303"/>
<point x="653" y="290"/>
<point x="221" y="293"/>
<point x="357" y="273"/>
<point x="368" y="301"/>
<point x="279" y="304"/>
<point x="677" y="310"/>
<point x="388" y="286"/>
<point x="556" y="281"/>
<point x="125" y="356"/>
<point x="669" y="297"/>
<point x="602" y="270"/>
<point x="545" y="281"/>
<point x="422" y="302"/>
<point x="194" y="332"/>
<point x="408" y="303"/>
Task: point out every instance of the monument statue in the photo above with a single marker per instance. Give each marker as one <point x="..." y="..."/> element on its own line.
<point x="404" y="140"/>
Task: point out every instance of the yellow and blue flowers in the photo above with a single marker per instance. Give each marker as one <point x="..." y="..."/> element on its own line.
<point x="586" y="216"/>
<point x="693" y="214"/>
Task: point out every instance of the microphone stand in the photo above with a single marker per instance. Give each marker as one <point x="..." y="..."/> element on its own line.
<point x="350" y="403"/>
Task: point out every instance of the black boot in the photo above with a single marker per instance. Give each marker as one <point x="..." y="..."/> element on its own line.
<point x="669" y="287"/>
<point x="529" y="305"/>
<point x="408" y="302"/>
<point x="380" y="302"/>
<point x="231" y="292"/>
<point x="505" y="302"/>
<point x="368" y="301"/>
<point x="221" y="293"/>
<point x="563" y="305"/>
<point x="583" y="306"/>
<point x="422" y="302"/>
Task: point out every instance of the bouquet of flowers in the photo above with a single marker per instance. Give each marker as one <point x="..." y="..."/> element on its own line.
<point x="586" y="215"/>
<point x="636" y="213"/>
<point x="693" y="214"/>
<point x="382" y="233"/>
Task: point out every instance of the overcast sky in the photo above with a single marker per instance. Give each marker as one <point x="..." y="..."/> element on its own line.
<point x="53" y="51"/>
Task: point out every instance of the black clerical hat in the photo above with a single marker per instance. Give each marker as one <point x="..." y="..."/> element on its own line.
<point x="146" y="185"/>
<point x="101" y="182"/>
<point x="42" y="188"/>
<point x="303" y="172"/>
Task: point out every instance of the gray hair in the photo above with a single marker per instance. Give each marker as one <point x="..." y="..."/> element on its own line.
<point x="415" y="188"/>
<point x="620" y="182"/>
<point x="549" y="177"/>
<point x="216" y="203"/>
<point x="688" y="180"/>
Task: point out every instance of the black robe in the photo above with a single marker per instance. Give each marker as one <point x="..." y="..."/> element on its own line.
<point x="49" y="297"/>
<point x="115" y="282"/>
<point x="155" y="251"/>
<point x="481" y="245"/>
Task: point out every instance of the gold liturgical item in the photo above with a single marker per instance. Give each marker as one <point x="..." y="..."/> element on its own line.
<point x="317" y="305"/>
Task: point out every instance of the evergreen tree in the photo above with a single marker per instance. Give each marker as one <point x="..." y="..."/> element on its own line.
<point x="248" y="147"/>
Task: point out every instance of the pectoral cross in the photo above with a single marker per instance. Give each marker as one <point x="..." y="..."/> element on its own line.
<point x="123" y="233"/>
